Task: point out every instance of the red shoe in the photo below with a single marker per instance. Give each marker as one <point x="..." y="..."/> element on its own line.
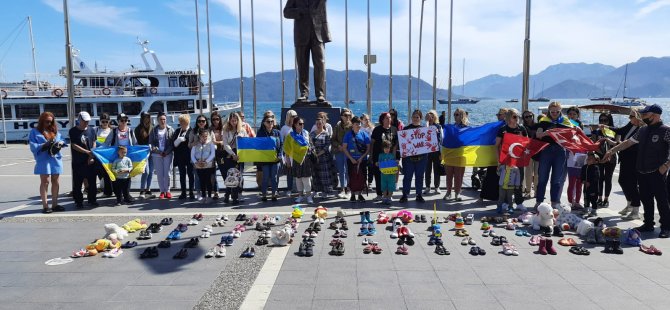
<point x="162" y="196"/>
<point x="543" y="247"/>
<point x="168" y="195"/>
<point x="550" y="247"/>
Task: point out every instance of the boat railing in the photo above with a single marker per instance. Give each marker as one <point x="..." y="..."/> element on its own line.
<point x="33" y="91"/>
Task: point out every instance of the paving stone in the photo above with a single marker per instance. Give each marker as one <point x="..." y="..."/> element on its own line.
<point x="336" y="292"/>
<point x="291" y="293"/>
<point x="421" y="291"/>
<point x="459" y="277"/>
<point x="304" y="304"/>
<point x="307" y="276"/>
<point x="382" y="304"/>
<point x="327" y="304"/>
<point x="384" y="291"/>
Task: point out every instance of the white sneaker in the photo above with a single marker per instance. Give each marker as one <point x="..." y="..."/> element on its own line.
<point x="437" y="190"/>
<point x="298" y="199"/>
<point x="310" y="199"/>
<point x="447" y="196"/>
<point x="341" y="195"/>
<point x="521" y="207"/>
<point x="426" y="191"/>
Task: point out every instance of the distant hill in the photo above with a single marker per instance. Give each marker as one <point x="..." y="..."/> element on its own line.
<point x="647" y="77"/>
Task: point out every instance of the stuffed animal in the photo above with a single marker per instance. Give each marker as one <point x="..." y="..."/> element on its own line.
<point x="382" y="218"/>
<point x="632" y="237"/>
<point x="115" y="229"/>
<point x="321" y="212"/>
<point x="233" y="178"/>
<point x="298" y="212"/>
<point x="584" y="227"/>
<point x="102" y="245"/>
<point x="134" y="225"/>
<point x="281" y="237"/>
<point x="544" y="219"/>
<point x="565" y="216"/>
<point x="405" y="216"/>
<point x="437" y="230"/>
<point x="612" y="233"/>
<point x="526" y="218"/>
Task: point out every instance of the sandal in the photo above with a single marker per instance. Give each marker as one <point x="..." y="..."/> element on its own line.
<point x="577" y="250"/>
<point x="474" y="251"/>
<point x="564" y="242"/>
<point x="376" y="249"/>
<point x="367" y="249"/>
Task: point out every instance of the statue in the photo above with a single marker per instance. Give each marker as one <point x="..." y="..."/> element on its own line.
<point x="310" y="33"/>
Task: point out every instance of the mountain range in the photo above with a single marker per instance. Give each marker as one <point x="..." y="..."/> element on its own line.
<point x="647" y="77"/>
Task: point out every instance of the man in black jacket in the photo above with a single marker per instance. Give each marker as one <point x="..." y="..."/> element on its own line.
<point x="310" y="33"/>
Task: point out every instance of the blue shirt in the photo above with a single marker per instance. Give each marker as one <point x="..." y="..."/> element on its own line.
<point x="357" y="143"/>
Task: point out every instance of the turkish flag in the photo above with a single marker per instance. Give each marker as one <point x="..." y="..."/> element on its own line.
<point x="518" y="150"/>
<point x="573" y="139"/>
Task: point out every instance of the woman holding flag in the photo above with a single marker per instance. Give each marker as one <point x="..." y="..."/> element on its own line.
<point x="233" y="129"/>
<point x="296" y="148"/>
<point x="455" y="174"/>
<point x="513" y="127"/>
<point x="553" y="159"/>
<point x="269" y="169"/>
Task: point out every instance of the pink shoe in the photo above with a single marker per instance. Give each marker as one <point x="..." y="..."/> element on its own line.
<point x="534" y="240"/>
<point x="161" y="196"/>
<point x="543" y="246"/>
<point x="168" y="195"/>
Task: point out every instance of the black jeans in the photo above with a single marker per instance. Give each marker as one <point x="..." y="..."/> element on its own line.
<point x="104" y="177"/>
<point x="591" y="200"/>
<point x="518" y="191"/>
<point x="628" y="182"/>
<point x="186" y="169"/>
<point x="378" y="179"/>
<point x="205" y="187"/>
<point x="607" y="172"/>
<point x="433" y="166"/>
<point x="79" y="173"/>
<point x="122" y="189"/>
<point x="652" y="185"/>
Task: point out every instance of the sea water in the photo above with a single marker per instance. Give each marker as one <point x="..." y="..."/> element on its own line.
<point x="482" y="112"/>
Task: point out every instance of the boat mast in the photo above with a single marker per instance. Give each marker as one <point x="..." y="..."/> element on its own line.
<point x="625" y="78"/>
<point x="390" y="54"/>
<point x="435" y="59"/>
<point x="463" y="80"/>
<point x="197" y="42"/>
<point x="281" y="35"/>
<point x="451" y="36"/>
<point x="68" y="64"/>
<point x="253" y="59"/>
<point x="418" y="77"/>
<point x="369" y="65"/>
<point x="239" y="5"/>
<point x="209" y="60"/>
<point x="346" y="53"/>
<point x="32" y="43"/>
<point x="526" y="61"/>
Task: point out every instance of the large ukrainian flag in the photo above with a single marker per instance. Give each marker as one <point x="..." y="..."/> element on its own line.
<point x="296" y="146"/>
<point x="138" y="154"/>
<point x="262" y="150"/>
<point x="470" y="146"/>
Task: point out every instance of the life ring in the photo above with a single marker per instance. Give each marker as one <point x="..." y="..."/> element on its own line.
<point x="154" y="90"/>
<point x="106" y="91"/>
<point x="30" y="92"/>
<point x="97" y="92"/>
<point x="57" y="92"/>
<point x="4" y="94"/>
<point x="77" y="92"/>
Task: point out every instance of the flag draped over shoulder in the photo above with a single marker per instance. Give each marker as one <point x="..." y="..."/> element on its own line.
<point x="517" y="150"/>
<point x="262" y="150"/>
<point x="296" y="146"/>
<point x="470" y="146"/>
<point x="573" y="139"/>
<point x="138" y="154"/>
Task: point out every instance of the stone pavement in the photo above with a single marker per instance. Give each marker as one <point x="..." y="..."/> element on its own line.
<point x="278" y="279"/>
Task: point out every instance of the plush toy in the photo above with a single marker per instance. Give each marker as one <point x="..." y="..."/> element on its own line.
<point x="612" y="233"/>
<point x="526" y="218"/>
<point x="233" y="178"/>
<point x="321" y="212"/>
<point x="584" y="227"/>
<point x="632" y="237"/>
<point x="134" y="225"/>
<point x="115" y="229"/>
<point x="282" y="237"/>
<point x="437" y="230"/>
<point x="566" y="217"/>
<point x="544" y="219"/>
<point x="382" y="218"/>
<point x="298" y="212"/>
<point x="405" y="216"/>
<point x="459" y="223"/>
<point x="102" y="245"/>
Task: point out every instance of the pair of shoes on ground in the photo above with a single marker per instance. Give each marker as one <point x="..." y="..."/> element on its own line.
<point x="306" y="248"/>
<point x="337" y="247"/>
<point x="217" y="251"/>
<point x="372" y="248"/>
<point x="150" y="252"/>
<point x="546" y="246"/>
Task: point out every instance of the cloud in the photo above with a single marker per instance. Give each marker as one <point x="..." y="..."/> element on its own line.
<point x="651" y="7"/>
<point x="99" y="14"/>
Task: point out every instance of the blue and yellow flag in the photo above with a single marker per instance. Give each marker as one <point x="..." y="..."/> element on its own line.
<point x="388" y="166"/>
<point x="262" y="150"/>
<point x="296" y="146"/>
<point x="138" y="154"/>
<point x="470" y="146"/>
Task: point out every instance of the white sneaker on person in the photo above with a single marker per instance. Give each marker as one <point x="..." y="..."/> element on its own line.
<point x="341" y="195"/>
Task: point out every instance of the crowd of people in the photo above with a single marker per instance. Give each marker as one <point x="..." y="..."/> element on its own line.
<point x="343" y="159"/>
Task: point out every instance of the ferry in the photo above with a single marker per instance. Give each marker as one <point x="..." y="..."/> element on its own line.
<point x="133" y="91"/>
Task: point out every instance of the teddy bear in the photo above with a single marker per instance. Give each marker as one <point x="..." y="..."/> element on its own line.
<point x="282" y="237"/>
<point x="115" y="229"/>
<point x="134" y="225"/>
<point x="565" y="216"/>
<point x="321" y="212"/>
<point x="544" y="219"/>
<point x="104" y="244"/>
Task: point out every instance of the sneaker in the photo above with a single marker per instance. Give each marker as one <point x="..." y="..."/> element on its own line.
<point x="360" y="198"/>
<point x="341" y="195"/>
<point x="426" y="191"/>
<point x="378" y="198"/>
<point x="665" y="233"/>
<point x="310" y="200"/>
<point x="593" y="213"/>
<point x="420" y="199"/>
<point x="168" y="195"/>
<point x="161" y="196"/>
<point x="299" y="199"/>
<point x="403" y="198"/>
<point x="447" y="196"/>
<point x="352" y="199"/>
<point x="632" y="216"/>
<point x="149" y="195"/>
<point x="436" y="190"/>
<point x="645" y="228"/>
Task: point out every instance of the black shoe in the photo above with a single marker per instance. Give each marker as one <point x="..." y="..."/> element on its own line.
<point x="264" y="198"/>
<point x="182" y="196"/>
<point x="226" y="198"/>
<point x="665" y="233"/>
<point x="118" y="203"/>
<point x="236" y="201"/>
<point x="645" y="228"/>
<point x="93" y="204"/>
<point x="274" y="198"/>
<point x="146" y="253"/>
<point x="192" y="243"/>
<point x="403" y="198"/>
<point x="79" y="205"/>
<point x="420" y="199"/>
<point x="183" y="253"/>
<point x="129" y="201"/>
<point x="360" y="198"/>
<point x="191" y="196"/>
<point x="164" y="244"/>
<point x="353" y="198"/>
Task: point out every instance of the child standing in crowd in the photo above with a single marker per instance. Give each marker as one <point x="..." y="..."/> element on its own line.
<point x="121" y="168"/>
<point x="509" y="181"/>
<point x="389" y="168"/>
<point x="591" y="180"/>
<point x="202" y="157"/>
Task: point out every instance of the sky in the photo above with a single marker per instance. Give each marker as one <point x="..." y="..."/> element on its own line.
<point x="489" y="34"/>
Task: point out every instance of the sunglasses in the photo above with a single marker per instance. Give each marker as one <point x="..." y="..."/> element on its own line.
<point x="527" y="116"/>
<point x="202" y="121"/>
<point x="269" y="122"/>
<point x="301" y="124"/>
<point x="554" y="111"/>
<point x="604" y="120"/>
<point x="104" y="122"/>
<point x="515" y="116"/>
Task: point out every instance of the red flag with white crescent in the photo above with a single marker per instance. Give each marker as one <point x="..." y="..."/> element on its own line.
<point x="573" y="139"/>
<point x="518" y="150"/>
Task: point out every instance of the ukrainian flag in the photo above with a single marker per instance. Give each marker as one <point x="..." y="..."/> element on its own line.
<point x="470" y="146"/>
<point x="296" y="146"/>
<point x="388" y="166"/>
<point x="138" y="154"/>
<point x="262" y="150"/>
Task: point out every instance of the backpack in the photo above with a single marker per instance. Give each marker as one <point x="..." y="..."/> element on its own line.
<point x="233" y="178"/>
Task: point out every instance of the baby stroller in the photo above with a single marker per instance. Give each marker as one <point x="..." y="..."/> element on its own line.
<point x="234" y="183"/>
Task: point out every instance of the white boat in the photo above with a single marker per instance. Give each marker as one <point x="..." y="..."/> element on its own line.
<point x="132" y="92"/>
<point x="627" y="101"/>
